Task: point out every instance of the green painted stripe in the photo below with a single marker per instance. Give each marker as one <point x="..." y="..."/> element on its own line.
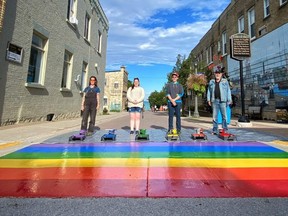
<point x="146" y="155"/>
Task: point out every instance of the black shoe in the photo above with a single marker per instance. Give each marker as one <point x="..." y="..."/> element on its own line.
<point x="131" y="132"/>
<point x="137" y="132"/>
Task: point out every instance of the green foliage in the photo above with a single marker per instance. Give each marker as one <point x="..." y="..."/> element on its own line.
<point x="157" y="98"/>
<point x="129" y="84"/>
<point x="197" y="83"/>
<point x="115" y="110"/>
<point x="105" y="111"/>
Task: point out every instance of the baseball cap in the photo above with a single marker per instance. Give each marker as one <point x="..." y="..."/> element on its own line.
<point x="175" y="73"/>
<point x="218" y="70"/>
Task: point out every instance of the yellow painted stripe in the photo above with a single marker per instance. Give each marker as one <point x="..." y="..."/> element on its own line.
<point x="142" y="162"/>
<point x="281" y="142"/>
<point x="10" y="144"/>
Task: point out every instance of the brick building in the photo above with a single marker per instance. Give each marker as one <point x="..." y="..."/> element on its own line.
<point x="266" y="71"/>
<point x="49" y="49"/>
<point x="116" y="83"/>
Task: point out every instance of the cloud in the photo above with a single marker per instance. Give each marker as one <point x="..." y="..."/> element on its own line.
<point x="155" y="32"/>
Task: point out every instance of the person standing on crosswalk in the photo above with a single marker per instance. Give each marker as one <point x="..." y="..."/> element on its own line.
<point x="90" y="105"/>
<point x="174" y="94"/>
<point x="135" y="96"/>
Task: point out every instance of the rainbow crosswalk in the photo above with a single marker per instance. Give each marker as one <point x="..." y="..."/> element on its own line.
<point x="145" y="169"/>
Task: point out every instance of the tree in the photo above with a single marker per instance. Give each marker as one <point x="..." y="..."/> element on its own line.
<point x="157" y="98"/>
<point x="129" y="84"/>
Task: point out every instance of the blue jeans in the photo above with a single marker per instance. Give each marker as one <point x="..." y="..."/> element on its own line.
<point x="135" y="109"/>
<point x="177" y="111"/>
<point x="216" y="106"/>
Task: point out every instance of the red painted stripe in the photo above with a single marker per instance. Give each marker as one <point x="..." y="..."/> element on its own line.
<point x="126" y="173"/>
<point x="140" y="188"/>
<point x="219" y="173"/>
<point x="73" y="188"/>
<point x="218" y="189"/>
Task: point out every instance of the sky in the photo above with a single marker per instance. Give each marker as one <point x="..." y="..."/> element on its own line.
<point x="146" y="36"/>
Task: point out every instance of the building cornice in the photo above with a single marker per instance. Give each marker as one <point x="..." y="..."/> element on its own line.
<point x="100" y="13"/>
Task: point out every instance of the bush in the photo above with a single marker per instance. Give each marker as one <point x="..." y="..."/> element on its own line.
<point x="114" y="110"/>
<point x="105" y="111"/>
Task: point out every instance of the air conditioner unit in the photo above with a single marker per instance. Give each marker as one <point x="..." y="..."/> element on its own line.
<point x="73" y="20"/>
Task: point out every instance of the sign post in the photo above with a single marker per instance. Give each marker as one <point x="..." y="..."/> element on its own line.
<point x="240" y="50"/>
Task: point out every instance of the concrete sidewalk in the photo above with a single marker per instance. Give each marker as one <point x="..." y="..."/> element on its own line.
<point x="13" y="137"/>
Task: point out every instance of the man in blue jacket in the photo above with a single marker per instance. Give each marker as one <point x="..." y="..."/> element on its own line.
<point x="219" y="97"/>
<point x="174" y="94"/>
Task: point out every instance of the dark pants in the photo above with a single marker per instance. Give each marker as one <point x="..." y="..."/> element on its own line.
<point x="89" y="110"/>
<point x="177" y="111"/>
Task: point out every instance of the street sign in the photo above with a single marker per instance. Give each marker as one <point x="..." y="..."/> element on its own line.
<point x="240" y="46"/>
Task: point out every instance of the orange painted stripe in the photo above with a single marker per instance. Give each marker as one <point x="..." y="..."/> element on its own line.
<point x="141" y="173"/>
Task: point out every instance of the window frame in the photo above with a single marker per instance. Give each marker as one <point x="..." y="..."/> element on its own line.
<point x="87" y="24"/>
<point x="84" y="73"/>
<point x="241" y="24"/>
<point x="224" y="42"/>
<point x="266" y="5"/>
<point x="38" y="75"/>
<point x="67" y="70"/>
<point x="251" y="23"/>
<point x="116" y="85"/>
<point x="72" y="9"/>
<point x="282" y="2"/>
<point x="99" y="45"/>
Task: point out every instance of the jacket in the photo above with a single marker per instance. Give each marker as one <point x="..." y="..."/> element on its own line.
<point x="225" y="91"/>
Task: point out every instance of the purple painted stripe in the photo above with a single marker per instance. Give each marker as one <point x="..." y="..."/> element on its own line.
<point x="197" y="143"/>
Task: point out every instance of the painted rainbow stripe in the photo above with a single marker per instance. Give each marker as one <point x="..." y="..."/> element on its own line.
<point x="146" y="169"/>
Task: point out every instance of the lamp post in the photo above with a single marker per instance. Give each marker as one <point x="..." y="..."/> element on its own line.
<point x="196" y="113"/>
<point x="189" y="94"/>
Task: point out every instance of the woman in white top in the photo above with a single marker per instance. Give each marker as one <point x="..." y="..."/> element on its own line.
<point x="135" y="96"/>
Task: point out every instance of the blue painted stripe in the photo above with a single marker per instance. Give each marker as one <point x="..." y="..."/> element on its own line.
<point x="142" y="148"/>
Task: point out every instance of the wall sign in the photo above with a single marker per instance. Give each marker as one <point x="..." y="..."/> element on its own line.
<point x="14" y="53"/>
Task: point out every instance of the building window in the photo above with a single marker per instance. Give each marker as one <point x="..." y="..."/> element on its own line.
<point x="65" y="83"/>
<point x="251" y="22"/>
<point x="282" y="2"/>
<point x="266" y="8"/>
<point x="105" y="101"/>
<point x="84" y="75"/>
<point x="207" y="56"/>
<point x="218" y="46"/>
<point x="99" y="42"/>
<point x="37" y="59"/>
<point x="241" y="24"/>
<point x="87" y="27"/>
<point x="224" y="43"/>
<point x="116" y="85"/>
<point x="210" y="54"/>
<point x="71" y="9"/>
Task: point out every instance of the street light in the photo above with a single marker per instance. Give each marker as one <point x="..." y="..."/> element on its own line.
<point x="196" y="113"/>
<point x="189" y="94"/>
